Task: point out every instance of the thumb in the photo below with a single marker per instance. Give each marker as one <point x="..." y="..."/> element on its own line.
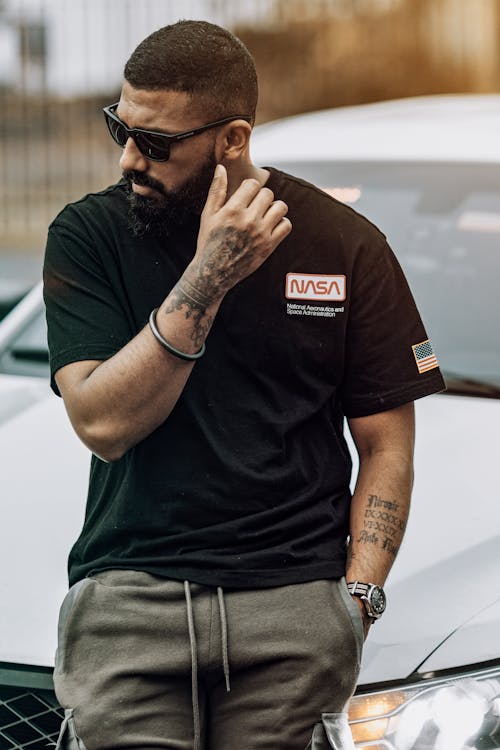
<point x="217" y="193"/>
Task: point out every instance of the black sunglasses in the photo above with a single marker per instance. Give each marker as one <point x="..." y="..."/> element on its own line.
<point x="153" y="145"/>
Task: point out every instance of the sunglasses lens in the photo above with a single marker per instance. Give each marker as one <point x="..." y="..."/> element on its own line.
<point x="117" y="131"/>
<point x="153" y="146"/>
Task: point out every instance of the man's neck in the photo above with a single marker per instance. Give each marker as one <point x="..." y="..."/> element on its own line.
<point x="236" y="175"/>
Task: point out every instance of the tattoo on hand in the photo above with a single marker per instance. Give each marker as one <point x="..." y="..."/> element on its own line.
<point x="222" y="262"/>
<point x="382" y="525"/>
<point x="214" y="273"/>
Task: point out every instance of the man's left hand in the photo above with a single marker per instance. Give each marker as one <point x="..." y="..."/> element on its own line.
<point x="367" y="621"/>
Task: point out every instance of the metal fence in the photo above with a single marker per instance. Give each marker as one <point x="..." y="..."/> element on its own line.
<point x="61" y="61"/>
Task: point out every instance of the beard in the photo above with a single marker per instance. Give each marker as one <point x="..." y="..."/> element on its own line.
<point x="172" y="209"/>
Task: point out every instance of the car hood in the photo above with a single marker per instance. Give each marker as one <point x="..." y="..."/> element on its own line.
<point x="18" y="394"/>
<point x="44" y="473"/>
<point x="442" y="584"/>
<point x="443" y="588"/>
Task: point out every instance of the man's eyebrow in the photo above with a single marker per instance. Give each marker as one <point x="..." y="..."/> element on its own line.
<point x="160" y="131"/>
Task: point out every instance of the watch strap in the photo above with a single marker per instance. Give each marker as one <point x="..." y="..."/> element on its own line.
<point x="356" y="588"/>
<point x="366" y="591"/>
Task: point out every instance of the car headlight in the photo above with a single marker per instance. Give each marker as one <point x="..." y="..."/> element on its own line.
<point x="459" y="712"/>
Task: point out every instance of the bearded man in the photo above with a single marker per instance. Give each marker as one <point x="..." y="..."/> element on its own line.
<point x="224" y="579"/>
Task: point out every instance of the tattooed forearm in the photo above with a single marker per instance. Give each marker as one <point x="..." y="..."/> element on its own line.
<point x="383" y="524"/>
<point x="351" y="555"/>
<point x="185" y="298"/>
<point x="200" y="300"/>
<point x="216" y="268"/>
<point x="207" y="279"/>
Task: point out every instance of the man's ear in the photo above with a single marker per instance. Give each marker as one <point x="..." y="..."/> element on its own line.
<point x="232" y="141"/>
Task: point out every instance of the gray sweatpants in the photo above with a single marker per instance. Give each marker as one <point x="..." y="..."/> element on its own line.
<point x="145" y="663"/>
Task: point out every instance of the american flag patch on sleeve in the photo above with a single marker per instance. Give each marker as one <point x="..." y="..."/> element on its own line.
<point x="424" y="356"/>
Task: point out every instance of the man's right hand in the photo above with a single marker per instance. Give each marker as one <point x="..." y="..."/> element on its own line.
<point x="118" y="402"/>
<point x="236" y="235"/>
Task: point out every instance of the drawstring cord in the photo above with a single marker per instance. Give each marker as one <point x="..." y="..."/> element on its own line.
<point x="194" y="657"/>
<point x="223" y="628"/>
<point x="194" y="668"/>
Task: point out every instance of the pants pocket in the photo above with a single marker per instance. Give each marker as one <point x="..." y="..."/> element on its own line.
<point x="66" y="611"/>
<point x="332" y="734"/>
<point x="354" y="613"/>
<point x="68" y="738"/>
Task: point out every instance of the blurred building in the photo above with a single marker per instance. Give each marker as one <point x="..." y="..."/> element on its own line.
<point x="73" y="47"/>
<point x="466" y="34"/>
<point x="62" y="60"/>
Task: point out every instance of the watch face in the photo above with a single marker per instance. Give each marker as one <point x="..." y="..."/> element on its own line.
<point x="377" y="600"/>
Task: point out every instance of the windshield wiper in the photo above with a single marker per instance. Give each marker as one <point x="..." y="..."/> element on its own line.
<point x="456" y="383"/>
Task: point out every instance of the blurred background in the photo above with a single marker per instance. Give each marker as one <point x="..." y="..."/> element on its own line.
<point x="62" y="60"/>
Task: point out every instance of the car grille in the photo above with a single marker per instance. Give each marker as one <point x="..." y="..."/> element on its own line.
<point x="29" y="719"/>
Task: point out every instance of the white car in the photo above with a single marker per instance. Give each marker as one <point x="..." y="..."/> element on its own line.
<point x="427" y="171"/>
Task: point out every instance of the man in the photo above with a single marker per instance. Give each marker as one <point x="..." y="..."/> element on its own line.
<point x="213" y="602"/>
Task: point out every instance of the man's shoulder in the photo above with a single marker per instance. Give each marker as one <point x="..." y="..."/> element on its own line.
<point x="94" y="207"/>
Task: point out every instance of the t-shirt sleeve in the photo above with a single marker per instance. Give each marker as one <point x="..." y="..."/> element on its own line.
<point x="85" y="320"/>
<point x="389" y="359"/>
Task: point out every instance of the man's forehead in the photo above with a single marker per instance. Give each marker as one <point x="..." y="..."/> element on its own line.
<point x="161" y="109"/>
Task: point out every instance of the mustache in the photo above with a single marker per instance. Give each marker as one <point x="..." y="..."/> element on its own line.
<point x="141" y="178"/>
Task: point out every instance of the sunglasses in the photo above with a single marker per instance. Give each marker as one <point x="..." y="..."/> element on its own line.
<point x="153" y="145"/>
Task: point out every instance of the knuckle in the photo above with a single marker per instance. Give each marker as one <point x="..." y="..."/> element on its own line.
<point x="249" y="184"/>
<point x="252" y="226"/>
<point x="231" y="212"/>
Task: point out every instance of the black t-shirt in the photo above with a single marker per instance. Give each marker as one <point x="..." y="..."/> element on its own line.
<point x="246" y="484"/>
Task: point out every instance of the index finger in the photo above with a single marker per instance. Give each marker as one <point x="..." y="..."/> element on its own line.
<point x="245" y="193"/>
<point x="218" y="190"/>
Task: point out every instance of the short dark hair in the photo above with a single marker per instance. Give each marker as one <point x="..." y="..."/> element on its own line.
<point x="202" y="59"/>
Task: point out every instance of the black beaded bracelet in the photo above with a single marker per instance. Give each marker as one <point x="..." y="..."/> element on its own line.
<point x="169" y="347"/>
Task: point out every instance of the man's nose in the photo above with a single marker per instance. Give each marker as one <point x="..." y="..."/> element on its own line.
<point x="132" y="159"/>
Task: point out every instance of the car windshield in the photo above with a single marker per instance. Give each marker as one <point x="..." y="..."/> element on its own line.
<point x="443" y="223"/>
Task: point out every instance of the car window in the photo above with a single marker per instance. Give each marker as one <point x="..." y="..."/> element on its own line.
<point x="26" y="353"/>
<point x="443" y="223"/>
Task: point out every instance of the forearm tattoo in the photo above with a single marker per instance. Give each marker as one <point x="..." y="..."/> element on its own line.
<point x="383" y="525"/>
<point x="210" y="277"/>
<point x="184" y="297"/>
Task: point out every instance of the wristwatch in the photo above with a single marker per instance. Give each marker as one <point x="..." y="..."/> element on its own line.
<point x="372" y="596"/>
